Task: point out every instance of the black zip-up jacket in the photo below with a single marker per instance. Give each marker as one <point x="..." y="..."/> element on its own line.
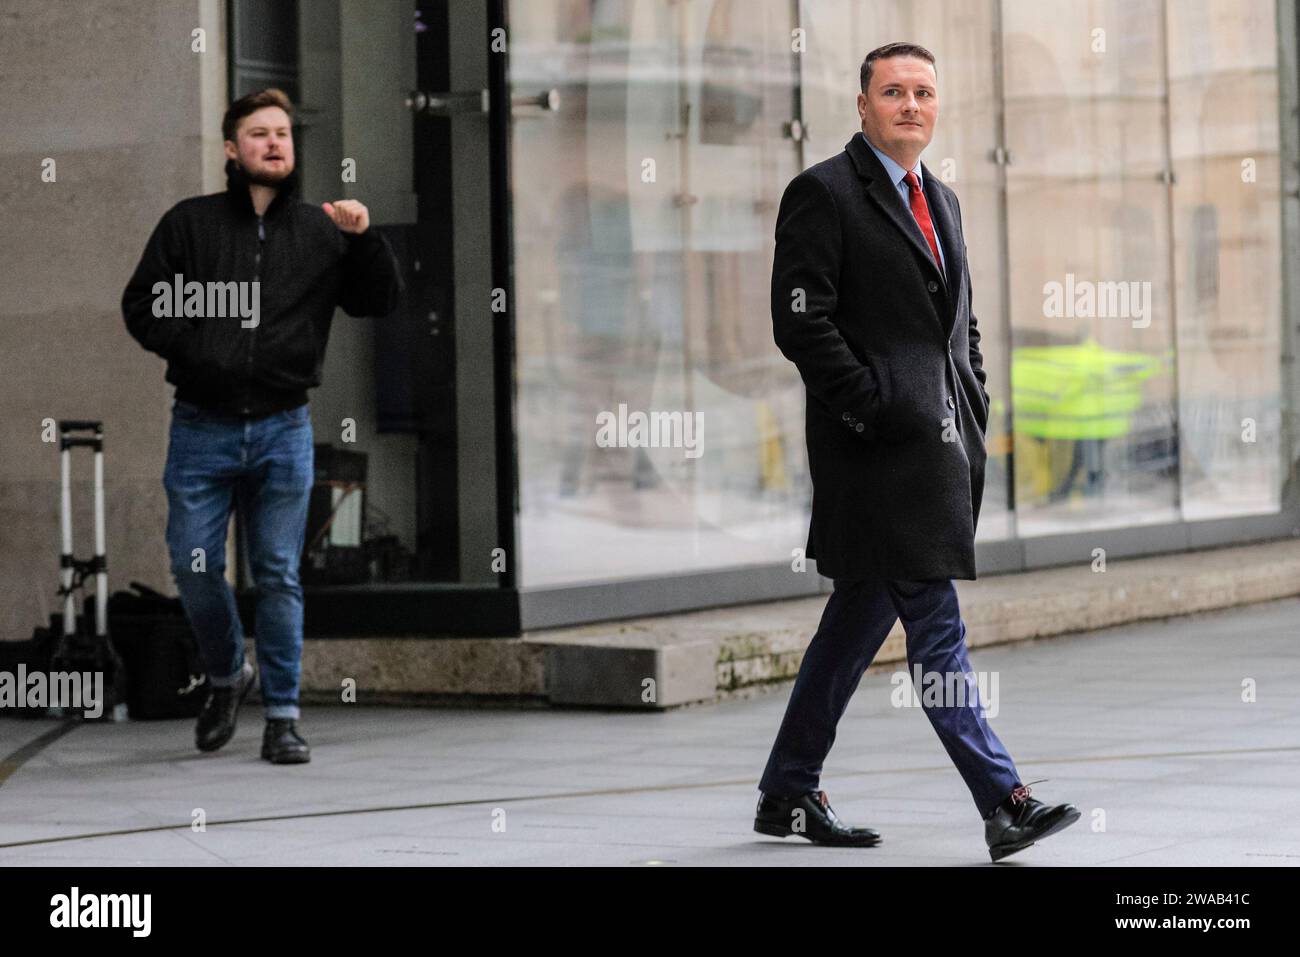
<point x="306" y="267"/>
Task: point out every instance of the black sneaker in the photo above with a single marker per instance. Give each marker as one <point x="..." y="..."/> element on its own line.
<point x="282" y="744"/>
<point x="216" y="724"/>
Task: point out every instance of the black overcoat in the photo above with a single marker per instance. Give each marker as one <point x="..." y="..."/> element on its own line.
<point x="888" y="349"/>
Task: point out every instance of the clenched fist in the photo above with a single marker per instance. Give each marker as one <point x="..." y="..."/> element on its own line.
<point x="348" y="215"/>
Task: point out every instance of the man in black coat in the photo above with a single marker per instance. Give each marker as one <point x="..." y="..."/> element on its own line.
<point x="871" y="299"/>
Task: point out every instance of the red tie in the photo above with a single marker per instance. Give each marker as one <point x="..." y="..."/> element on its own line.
<point x="921" y="210"/>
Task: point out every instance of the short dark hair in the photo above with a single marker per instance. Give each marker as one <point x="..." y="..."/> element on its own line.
<point x="887" y="52"/>
<point x="249" y="104"/>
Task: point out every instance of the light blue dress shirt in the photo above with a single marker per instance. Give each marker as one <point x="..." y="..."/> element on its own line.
<point x="896" y="176"/>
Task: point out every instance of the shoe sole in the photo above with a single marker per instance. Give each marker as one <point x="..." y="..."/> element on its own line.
<point x="1000" y="852"/>
<point x="287" y="759"/>
<point x="234" y="721"/>
<point x="783" y="831"/>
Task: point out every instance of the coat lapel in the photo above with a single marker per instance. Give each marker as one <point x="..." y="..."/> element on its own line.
<point x="885" y="196"/>
<point x="945" y="223"/>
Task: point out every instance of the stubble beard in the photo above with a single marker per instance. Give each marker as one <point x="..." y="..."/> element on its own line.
<point x="266" y="178"/>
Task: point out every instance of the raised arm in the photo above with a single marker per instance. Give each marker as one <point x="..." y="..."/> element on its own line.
<point x="371" y="281"/>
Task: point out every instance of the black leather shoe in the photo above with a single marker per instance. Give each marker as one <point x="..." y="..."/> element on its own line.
<point x="282" y="744"/>
<point x="1020" y="820"/>
<point x="810" y="816"/>
<point x="216" y="724"/>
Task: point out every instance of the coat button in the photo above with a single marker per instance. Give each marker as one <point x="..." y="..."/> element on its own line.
<point x="932" y="286"/>
<point x="846" y="417"/>
<point x="951" y="404"/>
<point x="858" y="428"/>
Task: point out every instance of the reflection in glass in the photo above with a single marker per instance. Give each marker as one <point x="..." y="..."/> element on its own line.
<point x="1091" y="307"/>
<point x="1223" y="104"/>
<point x="1125" y="261"/>
<point x="643" y="215"/>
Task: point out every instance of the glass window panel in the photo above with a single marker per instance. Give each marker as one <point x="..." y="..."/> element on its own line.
<point x="1223" y="104"/>
<point x="1140" y="199"/>
<point x="643" y="214"/>
<point x="363" y="526"/>
<point x="1092" y="376"/>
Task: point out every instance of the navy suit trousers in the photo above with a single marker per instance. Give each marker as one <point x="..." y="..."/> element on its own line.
<point x="857" y="619"/>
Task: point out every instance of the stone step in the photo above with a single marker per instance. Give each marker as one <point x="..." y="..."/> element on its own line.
<point x="705" y="656"/>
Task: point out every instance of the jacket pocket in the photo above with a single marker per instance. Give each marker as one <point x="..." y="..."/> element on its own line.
<point x="883" y="425"/>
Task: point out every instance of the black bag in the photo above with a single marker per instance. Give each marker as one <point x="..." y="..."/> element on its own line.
<point x="34" y="655"/>
<point x="165" y="673"/>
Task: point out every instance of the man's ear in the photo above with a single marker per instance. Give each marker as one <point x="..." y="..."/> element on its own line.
<point x="231" y="152"/>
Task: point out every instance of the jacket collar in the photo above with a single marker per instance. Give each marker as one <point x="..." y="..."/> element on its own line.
<point x="893" y="170"/>
<point x="237" y="191"/>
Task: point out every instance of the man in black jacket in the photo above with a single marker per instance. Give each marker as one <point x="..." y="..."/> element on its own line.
<point x="871" y="300"/>
<point x="236" y="290"/>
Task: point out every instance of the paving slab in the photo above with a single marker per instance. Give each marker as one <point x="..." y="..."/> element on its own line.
<point x="1145" y="727"/>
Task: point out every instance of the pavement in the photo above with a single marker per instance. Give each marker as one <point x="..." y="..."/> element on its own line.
<point x="1177" y="739"/>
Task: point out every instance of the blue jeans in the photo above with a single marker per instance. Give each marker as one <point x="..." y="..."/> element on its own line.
<point x="265" y="468"/>
<point x="857" y="619"/>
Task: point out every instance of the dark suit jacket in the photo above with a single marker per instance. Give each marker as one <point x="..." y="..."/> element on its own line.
<point x="888" y="349"/>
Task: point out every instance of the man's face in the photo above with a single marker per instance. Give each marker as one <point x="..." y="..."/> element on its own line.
<point x="263" y="146"/>
<point x="901" y="106"/>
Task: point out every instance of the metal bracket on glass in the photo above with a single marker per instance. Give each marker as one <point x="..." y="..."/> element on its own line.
<point x="447" y="104"/>
<point x="1168" y="177"/>
<point x="794" y="130"/>
<point x="1001" y="156"/>
<point x="535" y="104"/>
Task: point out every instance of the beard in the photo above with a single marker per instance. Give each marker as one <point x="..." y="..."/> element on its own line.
<point x="267" y="177"/>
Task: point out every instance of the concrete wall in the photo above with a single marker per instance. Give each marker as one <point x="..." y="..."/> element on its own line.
<point x="112" y="92"/>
